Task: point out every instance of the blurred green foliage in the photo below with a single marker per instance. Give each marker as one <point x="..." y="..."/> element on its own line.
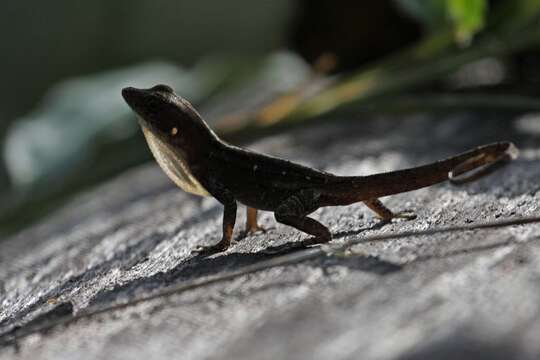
<point x="464" y="17"/>
<point x="468" y="17"/>
<point x="511" y="27"/>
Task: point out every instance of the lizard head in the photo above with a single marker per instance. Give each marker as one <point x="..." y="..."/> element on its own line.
<point x="167" y="116"/>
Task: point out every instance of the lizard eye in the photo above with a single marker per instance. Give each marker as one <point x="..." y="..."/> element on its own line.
<point x="174" y="131"/>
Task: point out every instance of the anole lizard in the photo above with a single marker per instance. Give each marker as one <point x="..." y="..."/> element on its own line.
<point x="199" y="162"/>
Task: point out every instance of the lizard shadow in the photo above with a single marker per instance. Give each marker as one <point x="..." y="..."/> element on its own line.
<point x="377" y="226"/>
<point x="203" y="266"/>
<point x="299" y="245"/>
<point x="200" y="267"/>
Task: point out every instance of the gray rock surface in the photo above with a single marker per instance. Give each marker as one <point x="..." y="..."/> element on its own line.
<point x="453" y="295"/>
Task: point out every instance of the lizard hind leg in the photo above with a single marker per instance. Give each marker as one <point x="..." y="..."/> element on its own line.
<point x="294" y="211"/>
<point x="385" y="213"/>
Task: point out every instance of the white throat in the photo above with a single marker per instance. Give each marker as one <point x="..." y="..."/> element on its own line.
<point x="174" y="164"/>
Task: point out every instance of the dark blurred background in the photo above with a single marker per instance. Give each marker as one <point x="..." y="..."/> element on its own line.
<point x="251" y="67"/>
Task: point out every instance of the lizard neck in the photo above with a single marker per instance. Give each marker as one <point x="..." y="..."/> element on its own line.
<point x="182" y="167"/>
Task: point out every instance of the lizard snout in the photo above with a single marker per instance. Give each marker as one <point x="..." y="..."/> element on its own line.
<point x="137" y="99"/>
<point x="130" y="94"/>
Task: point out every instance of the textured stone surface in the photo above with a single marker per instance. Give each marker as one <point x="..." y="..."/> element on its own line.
<point x="474" y="293"/>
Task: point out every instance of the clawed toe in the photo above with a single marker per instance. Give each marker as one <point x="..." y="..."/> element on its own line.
<point x="406" y="214"/>
<point x="251" y="231"/>
<point x="256" y="229"/>
<point x="209" y="250"/>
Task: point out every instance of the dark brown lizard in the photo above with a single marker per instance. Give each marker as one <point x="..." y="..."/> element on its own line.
<point x="199" y="162"/>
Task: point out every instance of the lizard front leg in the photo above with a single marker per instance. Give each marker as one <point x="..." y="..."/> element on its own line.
<point x="229" y="218"/>
<point x="294" y="211"/>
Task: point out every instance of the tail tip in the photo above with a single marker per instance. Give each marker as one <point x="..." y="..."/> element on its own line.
<point x="512" y="152"/>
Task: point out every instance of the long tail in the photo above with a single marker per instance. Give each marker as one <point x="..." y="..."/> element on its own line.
<point x="479" y="161"/>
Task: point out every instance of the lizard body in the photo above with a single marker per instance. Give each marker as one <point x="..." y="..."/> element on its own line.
<point x="199" y="162"/>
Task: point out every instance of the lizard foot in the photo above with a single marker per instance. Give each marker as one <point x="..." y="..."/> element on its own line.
<point x="210" y="250"/>
<point x="250" y="231"/>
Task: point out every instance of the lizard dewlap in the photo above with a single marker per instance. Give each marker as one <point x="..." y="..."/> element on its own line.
<point x="173" y="163"/>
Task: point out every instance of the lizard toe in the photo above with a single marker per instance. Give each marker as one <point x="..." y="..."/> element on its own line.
<point x="209" y="250"/>
<point x="406" y="215"/>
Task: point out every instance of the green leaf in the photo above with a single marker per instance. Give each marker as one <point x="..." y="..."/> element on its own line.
<point x="462" y="17"/>
<point x="468" y="17"/>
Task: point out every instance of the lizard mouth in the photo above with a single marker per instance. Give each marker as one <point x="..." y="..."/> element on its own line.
<point x="138" y="100"/>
